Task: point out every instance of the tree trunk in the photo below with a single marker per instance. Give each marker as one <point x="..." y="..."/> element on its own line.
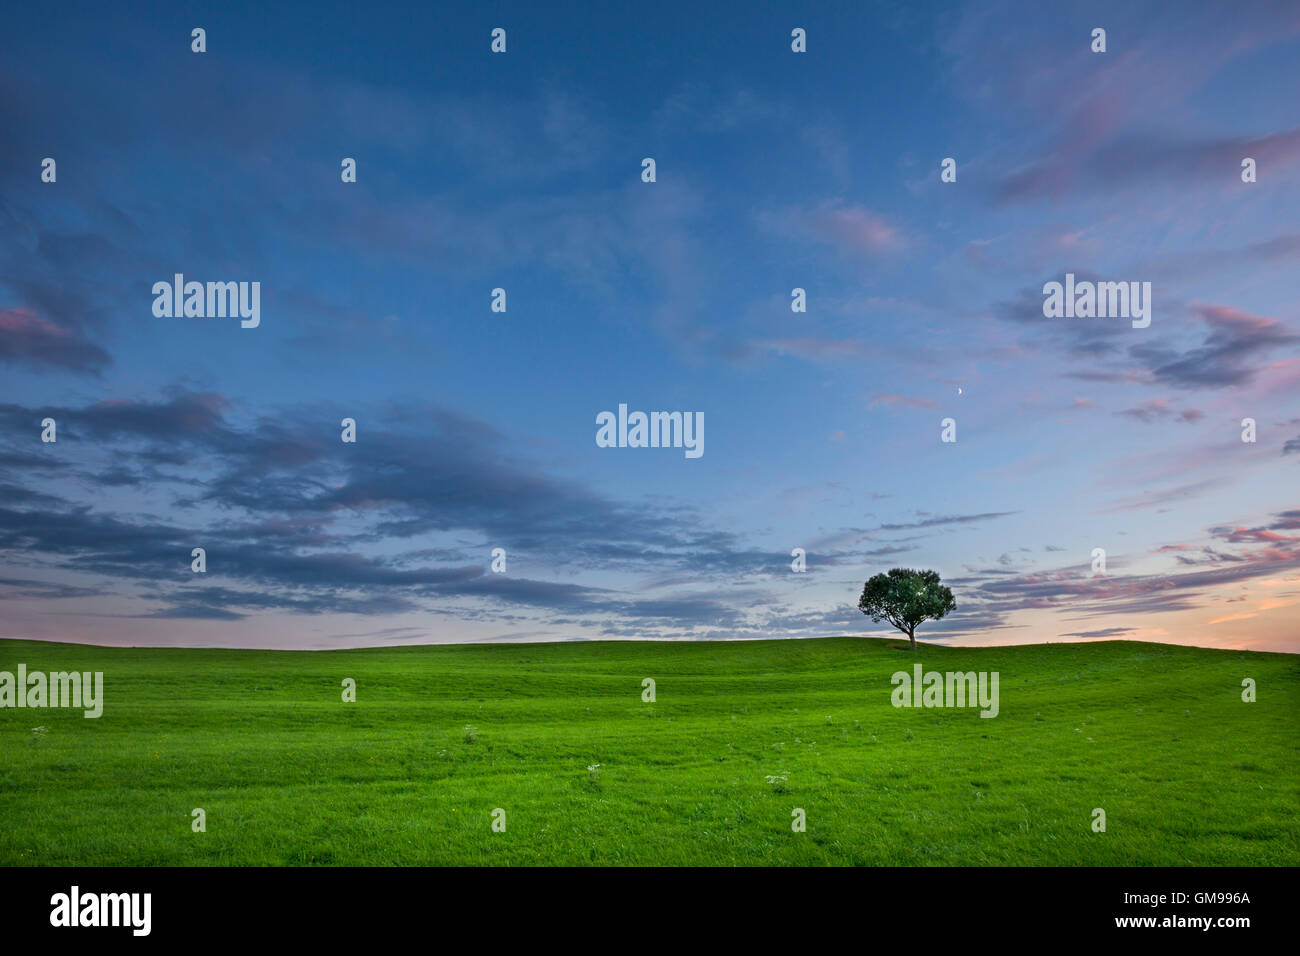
<point x="911" y="636"/>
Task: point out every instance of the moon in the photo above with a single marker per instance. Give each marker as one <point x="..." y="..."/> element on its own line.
<point x="958" y="389"/>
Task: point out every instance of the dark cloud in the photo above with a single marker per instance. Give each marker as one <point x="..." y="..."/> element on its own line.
<point x="44" y="590"/>
<point x="1232" y="350"/>
<point x="1230" y="354"/>
<point x="305" y="508"/>
<point x="195" y="612"/>
<point x="1286" y="520"/>
<point x="1157" y="409"/>
<point x="1260" y="553"/>
<point x="27" y="339"/>
<point x="1103" y="632"/>
<point x="1078" y="338"/>
<point x="1144" y="159"/>
<point x="939" y="520"/>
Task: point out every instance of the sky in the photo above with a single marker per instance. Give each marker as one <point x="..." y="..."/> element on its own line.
<point x="775" y="170"/>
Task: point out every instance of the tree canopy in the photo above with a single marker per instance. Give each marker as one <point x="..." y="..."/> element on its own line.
<point x="905" y="597"/>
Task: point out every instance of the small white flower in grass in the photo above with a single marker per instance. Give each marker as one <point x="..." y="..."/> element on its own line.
<point x="777" y="782"/>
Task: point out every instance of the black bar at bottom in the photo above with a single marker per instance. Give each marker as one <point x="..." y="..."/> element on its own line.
<point x="583" y="907"/>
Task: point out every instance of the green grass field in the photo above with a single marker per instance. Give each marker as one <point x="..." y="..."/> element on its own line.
<point x="288" y="774"/>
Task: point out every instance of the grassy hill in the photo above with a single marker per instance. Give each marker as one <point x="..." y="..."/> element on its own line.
<point x="287" y="773"/>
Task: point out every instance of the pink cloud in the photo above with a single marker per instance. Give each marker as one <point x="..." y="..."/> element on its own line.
<point x="855" y="228"/>
<point x="27" y="338"/>
<point x="1238" y="535"/>
<point x="1226" y="318"/>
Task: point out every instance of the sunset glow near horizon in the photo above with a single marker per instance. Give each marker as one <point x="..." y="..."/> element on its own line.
<point x="480" y="429"/>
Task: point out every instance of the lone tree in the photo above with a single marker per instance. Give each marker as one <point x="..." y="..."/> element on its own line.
<point x="905" y="598"/>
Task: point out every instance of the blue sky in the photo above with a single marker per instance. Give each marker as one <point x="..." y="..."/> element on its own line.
<point x="522" y="171"/>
